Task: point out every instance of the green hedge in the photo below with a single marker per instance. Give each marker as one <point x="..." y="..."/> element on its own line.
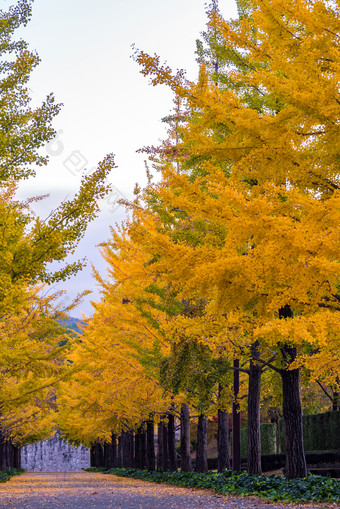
<point x="313" y="488"/>
<point x="321" y="432"/>
<point x="268" y="439"/>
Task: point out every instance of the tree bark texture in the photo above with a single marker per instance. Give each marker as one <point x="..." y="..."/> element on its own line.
<point x="97" y="455"/>
<point x="127" y="449"/>
<point x="292" y="417"/>
<point x="172" y="443"/>
<point x="254" y="420"/>
<point x="10" y="455"/>
<point x="120" y="451"/>
<point x="132" y="448"/>
<point x="165" y="447"/>
<point x="110" y="453"/>
<point x="17" y="457"/>
<point x="137" y="450"/>
<point x="142" y="448"/>
<point x="202" y="444"/>
<point x="114" y="449"/>
<point x="160" y="446"/>
<point x="186" y="465"/>
<point x="223" y="441"/>
<point x="236" y="456"/>
<point x="107" y="455"/>
<point x="150" y="446"/>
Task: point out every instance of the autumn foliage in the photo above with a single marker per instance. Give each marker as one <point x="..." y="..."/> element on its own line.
<point x="34" y="344"/>
<point x="233" y="253"/>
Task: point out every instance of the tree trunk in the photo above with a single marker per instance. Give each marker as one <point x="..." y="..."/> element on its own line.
<point x="254" y="420"/>
<point x="110" y="453"/>
<point x="120" y="451"/>
<point x="202" y="443"/>
<point x="292" y="417"/>
<point x="131" y="448"/>
<point x="186" y="465"/>
<point x="1" y="452"/>
<point x="100" y="455"/>
<point x="17" y="457"/>
<point x="7" y="455"/>
<point x="236" y="456"/>
<point x="137" y="449"/>
<point x="114" y="455"/>
<point x="150" y="446"/>
<point x="92" y="457"/>
<point x="142" y="448"/>
<point x="160" y="446"/>
<point x="107" y="454"/>
<point x="172" y="443"/>
<point x="223" y="441"/>
<point x="97" y="455"/>
<point x="127" y="449"/>
<point x="6" y="459"/>
<point x="165" y="447"/>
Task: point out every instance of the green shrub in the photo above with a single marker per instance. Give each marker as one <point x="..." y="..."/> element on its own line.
<point x="268" y="439"/>
<point x="5" y="475"/>
<point x="321" y="432"/>
<point x="244" y="442"/>
<point x="314" y="488"/>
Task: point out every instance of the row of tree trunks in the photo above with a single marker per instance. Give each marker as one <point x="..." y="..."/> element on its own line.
<point x="127" y="450"/>
<point x="166" y="441"/>
<point x="139" y="451"/>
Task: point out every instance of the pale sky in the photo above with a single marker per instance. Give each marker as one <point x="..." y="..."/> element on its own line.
<point x="85" y="48"/>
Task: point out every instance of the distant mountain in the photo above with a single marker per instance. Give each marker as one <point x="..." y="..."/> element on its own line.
<point x="72" y="323"/>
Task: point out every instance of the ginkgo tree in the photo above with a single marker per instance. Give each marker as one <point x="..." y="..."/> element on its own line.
<point x="119" y="353"/>
<point x="269" y="177"/>
<point x="244" y="219"/>
<point x="33" y="359"/>
<point x="28" y="243"/>
<point x="111" y="390"/>
<point x="23" y="132"/>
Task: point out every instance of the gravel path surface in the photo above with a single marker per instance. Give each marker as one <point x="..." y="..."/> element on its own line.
<point x="84" y="490"/>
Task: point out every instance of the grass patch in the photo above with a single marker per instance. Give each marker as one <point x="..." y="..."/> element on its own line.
<point x="313" y="488"/>
<point x="5" y="475"/>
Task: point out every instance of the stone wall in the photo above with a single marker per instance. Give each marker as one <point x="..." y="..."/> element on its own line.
<point x="54" y="455"/>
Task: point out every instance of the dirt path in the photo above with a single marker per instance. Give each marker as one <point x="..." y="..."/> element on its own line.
<point x="83" y="490"/>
